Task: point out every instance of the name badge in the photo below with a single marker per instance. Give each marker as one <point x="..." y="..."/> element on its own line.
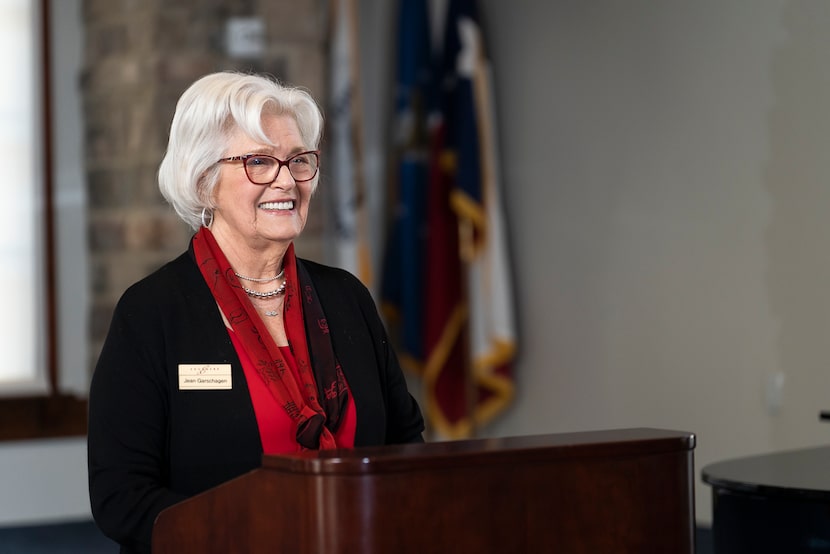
<point x="205" y="377"/>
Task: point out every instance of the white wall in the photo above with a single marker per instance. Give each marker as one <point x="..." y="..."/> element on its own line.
<point x="666" y="186"/>
<point x="43" y="482"/>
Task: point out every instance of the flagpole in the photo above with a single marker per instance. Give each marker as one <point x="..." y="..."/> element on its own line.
<point x="466" y="251"/>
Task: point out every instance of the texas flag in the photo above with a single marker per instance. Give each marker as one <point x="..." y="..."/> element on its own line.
<point x="464" y="309"/>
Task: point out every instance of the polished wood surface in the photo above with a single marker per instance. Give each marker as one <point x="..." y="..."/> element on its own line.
<point x="623" y="491"/>
<point x="40" y="417"/>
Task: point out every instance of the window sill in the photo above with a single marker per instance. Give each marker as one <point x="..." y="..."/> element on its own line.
<point x="41" y="417"/>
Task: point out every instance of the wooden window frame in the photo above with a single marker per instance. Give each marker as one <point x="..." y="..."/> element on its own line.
<point x="51" y="414"/>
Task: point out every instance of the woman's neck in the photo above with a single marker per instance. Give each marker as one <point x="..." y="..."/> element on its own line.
<point x="261" y="260"/>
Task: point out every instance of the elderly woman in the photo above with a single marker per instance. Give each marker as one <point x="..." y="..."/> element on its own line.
<point x="237" y="347"/>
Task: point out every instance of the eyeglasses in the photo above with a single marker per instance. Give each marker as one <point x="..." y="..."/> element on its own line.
<point x="262" y="169"/>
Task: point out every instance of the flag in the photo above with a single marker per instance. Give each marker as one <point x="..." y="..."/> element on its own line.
<point x="468" y="372"/>
<point x="402" y="289"/>
<point x="347" y="244"/>
<point x="462" y="322"/>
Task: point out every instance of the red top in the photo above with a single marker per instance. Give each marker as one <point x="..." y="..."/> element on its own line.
<point x="277" y="431"/>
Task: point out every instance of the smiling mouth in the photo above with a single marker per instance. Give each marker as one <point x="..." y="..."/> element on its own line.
<point x="288" y="205"/>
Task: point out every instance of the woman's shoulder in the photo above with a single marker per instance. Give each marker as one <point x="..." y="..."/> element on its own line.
<point x="327" y="274"/>
<point x="337" y="285"/>
<point x="164" y="283"/>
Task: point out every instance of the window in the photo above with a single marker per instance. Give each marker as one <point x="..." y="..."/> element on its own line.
<point x="30" y="402"/>
<point x="21" y="236"/>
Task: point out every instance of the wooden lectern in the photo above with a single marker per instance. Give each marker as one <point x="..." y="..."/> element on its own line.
<point x="622" y="491"/>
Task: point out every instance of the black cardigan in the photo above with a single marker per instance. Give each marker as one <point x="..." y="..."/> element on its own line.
<point x="152" y="445"/>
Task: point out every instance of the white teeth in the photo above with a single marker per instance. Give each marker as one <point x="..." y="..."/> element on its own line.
<point x="289" y="205"/>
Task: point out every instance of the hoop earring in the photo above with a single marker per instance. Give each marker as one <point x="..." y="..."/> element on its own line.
<point x="204" y="222"/>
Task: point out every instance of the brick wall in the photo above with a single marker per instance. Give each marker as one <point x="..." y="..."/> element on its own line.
<point x="140" y="55"/>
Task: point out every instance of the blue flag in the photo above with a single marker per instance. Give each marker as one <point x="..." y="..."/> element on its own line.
<point x="402" y="287"/>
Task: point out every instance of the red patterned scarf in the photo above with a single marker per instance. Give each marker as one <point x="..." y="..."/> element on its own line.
<point x="317" y="413"/>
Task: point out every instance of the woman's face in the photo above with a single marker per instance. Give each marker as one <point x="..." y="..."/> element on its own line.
<point x="259" y="214"/>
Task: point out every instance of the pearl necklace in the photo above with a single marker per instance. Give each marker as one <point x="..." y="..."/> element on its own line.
<point x="264" y="295"/>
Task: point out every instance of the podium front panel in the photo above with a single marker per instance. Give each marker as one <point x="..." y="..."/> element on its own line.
<point x="624" y="491"/>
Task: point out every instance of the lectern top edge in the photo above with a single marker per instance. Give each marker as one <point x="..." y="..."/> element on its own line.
<point x="491" y="451"/>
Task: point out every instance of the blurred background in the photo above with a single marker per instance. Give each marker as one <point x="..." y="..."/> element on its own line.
<point x="663" y="177"/>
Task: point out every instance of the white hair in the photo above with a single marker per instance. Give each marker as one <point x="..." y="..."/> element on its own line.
<point x="207" y="114"/>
